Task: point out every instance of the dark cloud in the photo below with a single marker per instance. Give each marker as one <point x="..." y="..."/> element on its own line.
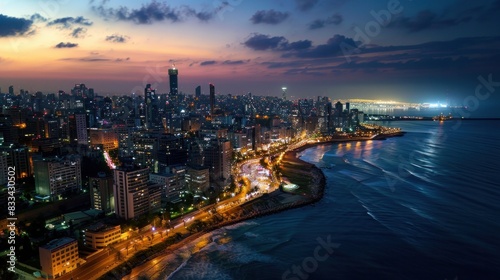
<point x="116" y="38"/>
<point x="69" y="22"/>
<point x="11" y="26"/>
<point x="260" y="42"/>
<point x="151" y="12"/>
<point x="335" y="19"/>
<point x="268" y="17"/>
<point x="208" y="62"/>
<point x="452" y="16"/>
<point x="467" y="56"/>
<point x="38" y="18"/>
<point x="296" y="46"/>
<point x="66" y="45"/>
<point x="122" y="59"/>
<point x="335" y="46"/>
<point x="425" y="19"/>
<point x="79" y="32"/>
<point x="234" y="62"/>
<point x="305" y="5"/>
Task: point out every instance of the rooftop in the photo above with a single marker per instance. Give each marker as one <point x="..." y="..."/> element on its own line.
<point x="56" y="243"/>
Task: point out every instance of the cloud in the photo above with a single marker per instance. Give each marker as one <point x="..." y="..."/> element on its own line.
<point x="335" y="46"/>
<point x="151" y="12"/>
<point x="208" y="62"/>
<point x="69" y="22"/>
<point x="79" y="32"/>
<point x="38" y="18"/>
<point x="66" y="45"/>
<point x="425" y="19"/>
<point x="235" y="62"/>
<point x="452" y="16"/>
<point x="268" y="17"/>
<point x="305" y="5"/>
<point x="260" y="42"/>
<point x="11" y="26"/>
<point x="335" y="19"/>
<point x="116" y="38"/>
<point x="122" y="59"/>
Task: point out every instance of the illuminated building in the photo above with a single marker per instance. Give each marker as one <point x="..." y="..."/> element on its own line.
<point x="99" y="236"/>
<point x="149" y="100"/>
<point x="172" y="182"/>
<point x="218" y="157"/>
<point x="172" y="74"/>
<point x="78" y="129"/>
<point x="101" y="193"/>
<point x="54" y="176"/>
<point x="212" y="100"/>
<point x="19" y="157"/>
<point x="134" y="195"/>
<point x="105" y="137"/>
<point x="59" y="257"/>
<point x="131" y="191"/>
<point x="198" y="178"/>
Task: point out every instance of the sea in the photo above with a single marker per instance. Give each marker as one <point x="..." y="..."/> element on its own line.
<point x="422" y="206"/>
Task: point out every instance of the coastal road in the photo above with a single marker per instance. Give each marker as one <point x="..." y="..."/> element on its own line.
<point x="249" y="169"/>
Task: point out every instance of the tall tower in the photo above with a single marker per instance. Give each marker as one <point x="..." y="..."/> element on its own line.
<point x="284" y="92"/>
<point x="149" y="96"/>
<point x="172" y="74"/>
<point x="212" y="100"/>
<point x="198" y="92"/>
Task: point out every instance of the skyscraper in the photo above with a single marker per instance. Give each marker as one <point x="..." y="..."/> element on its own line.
<point x="212" y="100"/>
<point x="149" y="98"/>
<point x="172" y="73"/>
<point x="131" y="191"/>
<point x="198" y="91"/>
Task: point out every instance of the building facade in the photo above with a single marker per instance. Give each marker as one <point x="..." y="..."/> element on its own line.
<point x="59" y="257"/>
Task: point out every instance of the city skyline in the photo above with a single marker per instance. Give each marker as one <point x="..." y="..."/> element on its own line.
<point x="401" y="50"/>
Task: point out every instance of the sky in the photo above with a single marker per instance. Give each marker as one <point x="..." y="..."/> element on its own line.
<point x="407" y="50"/>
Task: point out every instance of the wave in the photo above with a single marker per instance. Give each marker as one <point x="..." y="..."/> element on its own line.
<point x="241" y="224"/>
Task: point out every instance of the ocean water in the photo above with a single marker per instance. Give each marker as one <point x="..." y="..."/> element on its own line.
<point x="422" y="206"/>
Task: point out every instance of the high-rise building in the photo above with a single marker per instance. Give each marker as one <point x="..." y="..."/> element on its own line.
<point x="80" y="90"/>
<point x="77" y="126"/>
<point x="172" y="74"/>
<point x="198" y="91"/>
<point x="172" y="181"/>
<point x="149" y="100"/>
<point x="101" y="193"/>
<point x="19" y="157"/>
<point x="11" y="90"/>
<point x="218" y="157"/>
<point x="131" y="191"/>
<point x="54" y="176"/>
<point x="134" y="195"/>
<point x="212" y="100"/>
<point x="59" y="257"/>
<point x="197" y="178"/>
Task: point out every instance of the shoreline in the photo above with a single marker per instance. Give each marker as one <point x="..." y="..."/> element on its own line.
<point x="268" y="204"/>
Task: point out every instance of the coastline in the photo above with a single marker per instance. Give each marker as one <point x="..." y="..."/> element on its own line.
<point x="274" y="202"/>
